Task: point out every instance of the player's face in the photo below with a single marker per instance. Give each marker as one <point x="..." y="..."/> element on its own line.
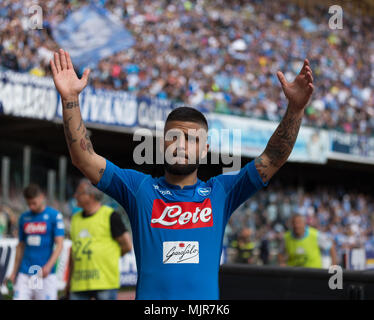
<point x="185" y="144"/>
<point x="298" y="226"/>
<point x="36" y="204"/>
<point x="81" y="195"/>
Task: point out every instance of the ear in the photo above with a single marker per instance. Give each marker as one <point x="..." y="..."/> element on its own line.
<point x="204" y="153"/>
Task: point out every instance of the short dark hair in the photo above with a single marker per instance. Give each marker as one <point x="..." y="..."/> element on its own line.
<point x="32" y="191"/>
<point x="187" y="114"/>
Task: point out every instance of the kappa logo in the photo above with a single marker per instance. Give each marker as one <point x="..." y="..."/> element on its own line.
<point x="163" y="192"/>
<point x="204" y="191"/>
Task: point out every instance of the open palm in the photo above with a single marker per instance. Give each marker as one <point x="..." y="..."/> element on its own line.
<point x="64" y="76"/>
<point x="300" y="90"/>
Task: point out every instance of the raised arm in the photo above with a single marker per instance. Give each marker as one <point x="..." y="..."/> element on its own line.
<point x="283" y="139"/>
<point x="80" y="147"/>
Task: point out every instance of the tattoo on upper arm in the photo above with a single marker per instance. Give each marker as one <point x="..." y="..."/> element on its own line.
<point x="68" y="135"/>
<point x="283" y="139"/>
<point x="101" y="171"/>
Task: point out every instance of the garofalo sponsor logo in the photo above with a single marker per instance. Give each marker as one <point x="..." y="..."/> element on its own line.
<point x="181" y="252"/>
<point x="181" y="215"/>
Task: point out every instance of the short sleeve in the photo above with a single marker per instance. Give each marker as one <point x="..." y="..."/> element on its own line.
<point x="117" y="226"/>
<point x="59" y="227"/>
<point x="121" y="184"/>
<point x="240" y="185"/>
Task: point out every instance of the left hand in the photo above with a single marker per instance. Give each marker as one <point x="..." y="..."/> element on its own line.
<point x="300" y="90"/>
<point x="46" y="270"/>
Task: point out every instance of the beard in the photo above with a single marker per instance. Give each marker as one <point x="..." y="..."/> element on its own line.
<point x="180" y="169"/>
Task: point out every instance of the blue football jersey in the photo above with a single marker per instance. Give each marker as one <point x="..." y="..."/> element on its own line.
<point x="37" y="231"/>
<point x="178" y="233"/>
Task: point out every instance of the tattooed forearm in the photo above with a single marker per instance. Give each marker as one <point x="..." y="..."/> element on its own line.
<point x="85" y="142"/>
<point x="70" y="104"/>
<point x="68" y="135"/>
<point x="80" y="125"/>
<point x="89" y="144"/>
<point x="283" y="139"/>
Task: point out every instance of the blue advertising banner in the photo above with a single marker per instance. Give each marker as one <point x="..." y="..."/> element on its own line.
<point x="122" y="109"/>
<point x="24" y="95"/>
<point x="27" y="96"/>
<point x="91" y="34"/>
<point x="351" y="147"/>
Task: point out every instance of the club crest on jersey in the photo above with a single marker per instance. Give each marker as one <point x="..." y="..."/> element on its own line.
<point x="181" y="215"/>
<point x="204" y="191"/>
<point x="163" y="192"/>
<point x="35" y="228"/>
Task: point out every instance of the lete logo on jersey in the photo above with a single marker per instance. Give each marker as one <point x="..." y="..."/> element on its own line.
<point x="181" y="215"/>
<point x="35" y="228"/>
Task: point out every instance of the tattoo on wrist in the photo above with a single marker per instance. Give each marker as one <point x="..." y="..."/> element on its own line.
<point x="70" y="104"/>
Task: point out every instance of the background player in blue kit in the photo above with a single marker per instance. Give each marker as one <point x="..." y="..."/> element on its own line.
<point x="177" y="220"/>
<point x="41" y="235"/>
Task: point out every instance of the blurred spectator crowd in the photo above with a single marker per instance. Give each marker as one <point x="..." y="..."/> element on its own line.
<point x="344" y="217"/>
<point x="221" y="57"/>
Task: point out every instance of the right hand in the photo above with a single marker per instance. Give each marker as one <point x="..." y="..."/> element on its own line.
<point x="12" y="278"/>
<point x="64" y="76"/>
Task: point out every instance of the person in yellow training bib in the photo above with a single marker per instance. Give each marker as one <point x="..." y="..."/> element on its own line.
<point x="99" y="238"/>
<point x="303" y="245"/>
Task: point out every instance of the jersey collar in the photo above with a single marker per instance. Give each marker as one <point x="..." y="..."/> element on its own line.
<point x="163" y="181"/>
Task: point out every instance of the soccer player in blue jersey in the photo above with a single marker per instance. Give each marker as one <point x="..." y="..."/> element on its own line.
<point x="177" y="220"/>
<point x="41" y="235"/>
